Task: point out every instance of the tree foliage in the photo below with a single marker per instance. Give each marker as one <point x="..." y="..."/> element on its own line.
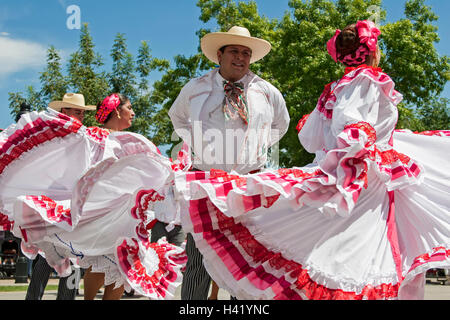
<point x="122" y="77"/>
<point x="85" y="75"/>
<point x="54" y="83"/>
<point x="143" y="104"/>
<point x="298" y="65"/>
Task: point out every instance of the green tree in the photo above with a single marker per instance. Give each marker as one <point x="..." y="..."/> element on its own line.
<point x="143" y="105"/>
<point x="53" y="82"/>
<point x="85" y="76"/>
<point x="122" y="77"/>
<point x="411" y="58"/>
<point x="166" y="91"/>
<point x="435" y="115"/>
<point x="31" y="96"/>
<point x="300" y="67"/>
<point x="15" y="100"/>
<point x="299" y="64"/>
<point x="53" y="86"/>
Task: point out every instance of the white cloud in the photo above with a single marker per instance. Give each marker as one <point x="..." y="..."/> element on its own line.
<point x="19" y="55"/>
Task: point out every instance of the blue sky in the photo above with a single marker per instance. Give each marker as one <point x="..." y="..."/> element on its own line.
<point x="29" y="27"/>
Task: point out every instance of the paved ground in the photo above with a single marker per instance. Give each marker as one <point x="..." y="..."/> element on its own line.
<point x="433" y="291"/>
<point x="51" y="294"/>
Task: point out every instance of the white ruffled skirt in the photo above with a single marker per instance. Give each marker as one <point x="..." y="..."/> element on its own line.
<point x="260" y="240"/>
<point x="81" y="194"/>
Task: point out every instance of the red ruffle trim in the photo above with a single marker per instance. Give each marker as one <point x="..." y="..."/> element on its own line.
<point x="438" y="133"/>
<point x="328" y="94"/>
<point x="229" y="251"/>
<point x="142" y="203"/>
<point x="302" y="122"/>
<point x="366" y="128"/>
<point x="98" y="134"/>
<point x="223" y="176"/>
<point x="374" y="70"/>
<point x="395" y="163"/>
<point x="5" y="224"/>
<point x="155" y="285"/>
<point x="54" y="212"/>
<point x="33" y="134"/>
<point x="437" y="254"/>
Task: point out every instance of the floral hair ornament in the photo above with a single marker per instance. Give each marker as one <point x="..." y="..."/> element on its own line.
<point x="331" y="45"/>
<point x="368" y="34"/>
<point x="109" y="104"/>
<point x="368" y="38"/>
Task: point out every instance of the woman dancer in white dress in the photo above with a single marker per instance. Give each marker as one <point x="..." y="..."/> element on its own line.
<point x="365" y="220"/>
<point x="62" y="188"/>
<point x="114" y="113"/>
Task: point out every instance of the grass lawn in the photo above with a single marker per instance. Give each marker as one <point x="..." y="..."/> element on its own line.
<point x="25" y="287"/>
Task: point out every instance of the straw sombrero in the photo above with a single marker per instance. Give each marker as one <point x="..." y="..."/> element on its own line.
<point x="71" y="100"/>
<point x="212" y="42"/>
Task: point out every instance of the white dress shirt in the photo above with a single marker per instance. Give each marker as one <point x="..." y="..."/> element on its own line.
<point x="226" y="144"/>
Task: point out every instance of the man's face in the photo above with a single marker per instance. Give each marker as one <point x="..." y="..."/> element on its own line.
<point x="234" y="62"/>
<point x="74" y="113"/>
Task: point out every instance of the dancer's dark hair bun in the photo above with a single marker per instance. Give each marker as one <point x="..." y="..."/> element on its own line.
<point x="347" y="42"/>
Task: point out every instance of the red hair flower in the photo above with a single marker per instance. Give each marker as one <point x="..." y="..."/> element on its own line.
<point x="368" y="34"/>
<point x="109" y="104"/>
<point x="331" y="45"/>
<point x="368" y="38"/>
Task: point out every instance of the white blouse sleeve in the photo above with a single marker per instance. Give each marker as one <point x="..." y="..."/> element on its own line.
<point x="365" y="101"/>
<point x="281" y="117"/>
<point x="362" y="123"/>
<point x="180" y="115"/>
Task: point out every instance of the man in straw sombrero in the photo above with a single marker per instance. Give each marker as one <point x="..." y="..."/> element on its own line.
<point x="72" y="105"/>
<point x="230" y="117"/>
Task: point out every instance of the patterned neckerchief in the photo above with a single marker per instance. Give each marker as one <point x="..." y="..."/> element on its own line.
<point x="235" y="102"/>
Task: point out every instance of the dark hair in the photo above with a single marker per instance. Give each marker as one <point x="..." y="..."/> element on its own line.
<point x="222" y="49"/>
<point x="24" y="108"/>
<point x="347" y="42"/>
<point x="123" y="99"/>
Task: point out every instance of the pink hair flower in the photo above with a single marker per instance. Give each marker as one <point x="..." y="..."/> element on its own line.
<point x="331" y="45"/>
<point x="109" y="104"/>
<point x="368" y="34"/>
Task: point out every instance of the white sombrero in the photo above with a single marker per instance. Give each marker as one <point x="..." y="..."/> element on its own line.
<point x="212" y="42"/>
<point x="71" y="100"/>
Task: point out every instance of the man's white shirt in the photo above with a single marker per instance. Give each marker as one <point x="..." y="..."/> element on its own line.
<point x="226" y="144"/>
